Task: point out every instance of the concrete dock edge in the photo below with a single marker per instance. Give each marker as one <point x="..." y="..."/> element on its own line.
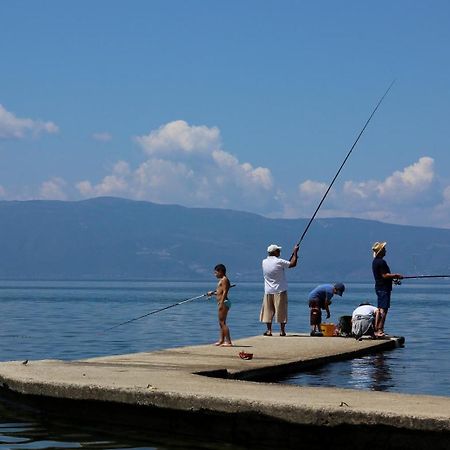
<point x="162" y="390"/>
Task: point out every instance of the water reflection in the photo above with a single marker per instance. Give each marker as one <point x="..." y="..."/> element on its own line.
<point x="371" y="372"/>
<point x="23" y="428"/>
<point x="20" y="430"/>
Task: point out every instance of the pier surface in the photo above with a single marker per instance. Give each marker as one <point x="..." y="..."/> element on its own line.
<point x="213" y="384"/>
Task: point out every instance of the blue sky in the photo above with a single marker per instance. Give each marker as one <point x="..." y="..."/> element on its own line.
<point x="246" y="105"/>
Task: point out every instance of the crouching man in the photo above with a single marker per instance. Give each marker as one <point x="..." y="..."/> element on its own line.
<point x="320" y="298"/>
<point x="364" y="318"/>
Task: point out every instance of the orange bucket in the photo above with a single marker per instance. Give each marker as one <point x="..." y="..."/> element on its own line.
<point x="327" y="329"/>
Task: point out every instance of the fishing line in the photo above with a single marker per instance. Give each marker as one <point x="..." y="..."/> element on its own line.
<point x="155" y="311"/>
<point x="345" y="160"/>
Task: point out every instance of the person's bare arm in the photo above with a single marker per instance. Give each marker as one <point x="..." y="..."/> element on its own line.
<point x="392" y="276"/>
<point x="327" y="308"/>
<point x="294" y="257"/>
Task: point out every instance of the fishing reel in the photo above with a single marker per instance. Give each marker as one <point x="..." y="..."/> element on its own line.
<point x="397" y="281"/>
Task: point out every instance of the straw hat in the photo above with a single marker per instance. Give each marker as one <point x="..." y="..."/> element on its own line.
<point x="377" y="247"/>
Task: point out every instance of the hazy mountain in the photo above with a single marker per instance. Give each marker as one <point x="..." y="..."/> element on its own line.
<point x="111" y="238"/>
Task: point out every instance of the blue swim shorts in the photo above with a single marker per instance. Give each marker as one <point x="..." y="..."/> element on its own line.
<point x="226" y="303"/>
<point x="384" y="299"/>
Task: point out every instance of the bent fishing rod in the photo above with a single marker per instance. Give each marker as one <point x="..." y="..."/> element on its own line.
<point x="206" y="294"/>
<point x="343" y="163"/>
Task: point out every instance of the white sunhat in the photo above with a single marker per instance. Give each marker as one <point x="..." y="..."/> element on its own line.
<point x="273" y="247"/>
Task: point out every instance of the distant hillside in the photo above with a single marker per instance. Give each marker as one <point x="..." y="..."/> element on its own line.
<point x="111" y="238"/>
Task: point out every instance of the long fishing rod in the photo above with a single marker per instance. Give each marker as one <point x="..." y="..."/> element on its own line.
<point x="162" y="309"/>
<point x="425" y="276"/>
<point x="343" y="163"/>
<point x="398" y="281"/>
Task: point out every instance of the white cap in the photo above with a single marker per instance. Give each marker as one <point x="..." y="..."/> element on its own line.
<point x="273" y="247"/>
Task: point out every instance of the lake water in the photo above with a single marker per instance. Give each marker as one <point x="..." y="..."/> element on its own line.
<point x="66" y="320"/>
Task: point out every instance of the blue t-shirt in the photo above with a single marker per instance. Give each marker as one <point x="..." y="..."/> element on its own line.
<point x="322" y="293"/>
<point x="380" y="267"/>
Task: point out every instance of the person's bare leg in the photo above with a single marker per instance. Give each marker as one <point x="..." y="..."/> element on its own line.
<point x="381" y="319"/>
<point x="225" y="331"/>
<point x="269" y="329"/>
<point x="283" y="329"/>
<point x="226" y="336"/>
<point x="376" y="322"/>
<point x="384" y="319"/>
<point x="221" y="336"/>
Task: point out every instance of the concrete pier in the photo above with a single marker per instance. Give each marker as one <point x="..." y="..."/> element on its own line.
<point x="207" y="389"/>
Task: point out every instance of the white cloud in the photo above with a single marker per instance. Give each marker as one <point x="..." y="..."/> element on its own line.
<point x="179" y="137"/>
<point x="53" y="189"/>
<point x="408" y="195"/>
<point x="446" y="195"/>
<point x="361" y="190"/>
<point x="110" y="185"/>
<point x="85" y="188"/>
<point x="102" y="136"/>
<point x="243" y="174"/>
<point x="312" y="189"/>
<point x="260" y="176"/>
<point x="12" y="127"/>
<point x="186" y="165"/>
<point x="2" y="192"/>
<point x="166" y="181"/>
<point x="121" y="168"/>
<point x="114" y="184"/>
<point x="302" y="202"/>
<point x="410" y="181"/>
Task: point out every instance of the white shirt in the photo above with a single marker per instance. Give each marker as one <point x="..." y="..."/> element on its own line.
<point x="274" y="277"/>
<point x="364" y="310"/>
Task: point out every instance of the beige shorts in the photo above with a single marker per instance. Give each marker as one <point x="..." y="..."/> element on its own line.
<point x="274" y="307"/>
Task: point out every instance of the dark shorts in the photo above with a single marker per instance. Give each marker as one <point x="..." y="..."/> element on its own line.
<point x="384" y="299"/>
<point x="315" y="317"/>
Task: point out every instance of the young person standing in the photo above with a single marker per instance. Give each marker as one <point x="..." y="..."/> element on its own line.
<point x="223" y="305"/>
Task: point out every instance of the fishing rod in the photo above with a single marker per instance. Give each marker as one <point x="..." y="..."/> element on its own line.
<point x="426" y="276"/>
<point x="343" y="163"/>
<point x="398" y="280"/>
<point x="163" y="309"/>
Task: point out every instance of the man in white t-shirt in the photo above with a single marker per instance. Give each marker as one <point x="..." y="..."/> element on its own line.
<point x="275" y="300"/>
<point x="364" y="318"/>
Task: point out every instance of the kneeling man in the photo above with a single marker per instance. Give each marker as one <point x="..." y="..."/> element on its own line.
<point x="364" y="318"/>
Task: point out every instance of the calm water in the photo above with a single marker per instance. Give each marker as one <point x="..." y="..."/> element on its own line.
<point x="65" y="320"/>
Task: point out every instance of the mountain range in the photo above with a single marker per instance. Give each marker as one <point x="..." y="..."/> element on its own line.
<point x="114" y="238"/>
